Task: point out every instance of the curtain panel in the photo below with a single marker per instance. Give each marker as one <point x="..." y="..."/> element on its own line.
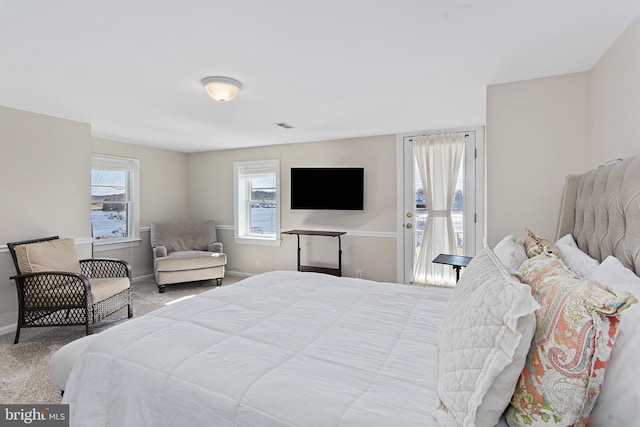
<point x="438" y="158"/>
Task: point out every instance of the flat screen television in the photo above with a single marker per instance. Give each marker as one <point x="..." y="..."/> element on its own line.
<point x="327" y="188"/>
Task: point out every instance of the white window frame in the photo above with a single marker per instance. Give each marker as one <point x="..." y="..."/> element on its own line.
<point x="242" y="173"/>
<point x="132" y="167"/>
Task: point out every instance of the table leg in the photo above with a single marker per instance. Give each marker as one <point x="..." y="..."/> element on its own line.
<point x="457" y="269"/>
<point x="298" y="251"/>
<point x="339" y="257"/>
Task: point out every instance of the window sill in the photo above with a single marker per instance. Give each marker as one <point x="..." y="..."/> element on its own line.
<point x="106" y="245"/>
<point x="257" y="241"/>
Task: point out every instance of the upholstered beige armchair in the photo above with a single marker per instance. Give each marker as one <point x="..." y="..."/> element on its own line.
<point x="186" y="252"/>
<point x="56" y="289"/>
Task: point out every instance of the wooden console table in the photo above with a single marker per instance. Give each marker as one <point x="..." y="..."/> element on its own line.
<point x="333" y="271"/>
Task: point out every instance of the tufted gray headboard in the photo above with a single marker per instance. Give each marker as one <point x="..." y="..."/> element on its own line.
<point x="601" y="209"/>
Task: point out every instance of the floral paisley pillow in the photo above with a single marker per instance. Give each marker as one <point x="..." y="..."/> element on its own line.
<point x="575" y="332"/>
<point x="536" y="245"/>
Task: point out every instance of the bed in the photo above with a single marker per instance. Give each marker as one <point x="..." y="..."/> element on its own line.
<point x="308" y="349"/>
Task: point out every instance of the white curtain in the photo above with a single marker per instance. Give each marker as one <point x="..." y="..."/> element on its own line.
<point x="438" y="158"/>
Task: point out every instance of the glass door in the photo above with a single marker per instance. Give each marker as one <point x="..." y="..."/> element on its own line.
<point x="415" y="212"/>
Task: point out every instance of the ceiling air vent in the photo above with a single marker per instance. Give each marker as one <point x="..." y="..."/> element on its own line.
<point x="284" y="125"/>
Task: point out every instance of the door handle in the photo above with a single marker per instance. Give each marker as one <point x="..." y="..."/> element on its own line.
<point x="408" y="225"/>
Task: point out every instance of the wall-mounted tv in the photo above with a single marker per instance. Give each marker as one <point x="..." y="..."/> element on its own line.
<point x="327" y="188"/>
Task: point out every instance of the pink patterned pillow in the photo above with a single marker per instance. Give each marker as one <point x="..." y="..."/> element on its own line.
<point x="575" y="332"/>
<point x="535" y="245"/>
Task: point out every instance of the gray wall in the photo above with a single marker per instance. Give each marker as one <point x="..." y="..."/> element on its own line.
<point x="370" y="243"/>
<point x="45" y="170"/>
<point x="539" y="131"/>
<point x="44" y="174"/>
<point x="163" y="196"/>
<point x="614" y="91"/>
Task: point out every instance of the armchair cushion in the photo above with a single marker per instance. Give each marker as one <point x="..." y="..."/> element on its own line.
<point x="183" y="236"/>
<point x="190" y="260"/>
<point x="104" y="288"/>
<point x="52" y="255"/>
<point x="159" y="251"/>
<point x="216" y="247"/>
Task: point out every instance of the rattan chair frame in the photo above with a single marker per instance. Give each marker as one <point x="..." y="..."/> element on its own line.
<point x="63" y="298"/>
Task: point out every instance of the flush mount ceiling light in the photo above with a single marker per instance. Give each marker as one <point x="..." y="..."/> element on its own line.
<point x="222" y="89"/>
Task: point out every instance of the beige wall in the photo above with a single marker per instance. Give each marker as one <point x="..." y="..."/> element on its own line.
<point x="163" y="179"/>
<point x="370" y="243"/>
<point x="163" y="196"/>
<point x="44" y="171"/>
<point x="45" y="166"/>
<point x="539" y="131"/>
<point x="615" y="99"/>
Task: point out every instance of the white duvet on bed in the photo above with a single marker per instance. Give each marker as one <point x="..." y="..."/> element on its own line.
<point x="282" y="348"/>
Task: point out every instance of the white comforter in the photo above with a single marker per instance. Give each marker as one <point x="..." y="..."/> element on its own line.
<point x="279" y="349"/>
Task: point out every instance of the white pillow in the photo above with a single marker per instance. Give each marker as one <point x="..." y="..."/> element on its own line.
<point x="511" y="253"/>
<point x="567" y="240"/>
<point x="577" y="261"/>
<point x="617" y="404"/>
<point x="482" y="344"/>
<point x="615" y="275"/>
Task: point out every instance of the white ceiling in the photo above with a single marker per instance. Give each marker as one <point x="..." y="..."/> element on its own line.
<point x="331" y="68"/>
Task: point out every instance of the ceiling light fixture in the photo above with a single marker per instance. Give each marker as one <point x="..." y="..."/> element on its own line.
<point x="222" y="89"/>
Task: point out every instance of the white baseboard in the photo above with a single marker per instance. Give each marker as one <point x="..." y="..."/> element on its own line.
<point x="146" y="276"/>
<point x="235" y="274"/>
<point x="238" y="274"/>
<point x="8" y="329"/>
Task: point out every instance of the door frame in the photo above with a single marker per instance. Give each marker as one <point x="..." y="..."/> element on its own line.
<point x="480" y="187"/>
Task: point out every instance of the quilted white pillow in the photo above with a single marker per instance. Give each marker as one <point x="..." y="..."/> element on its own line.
<point x="511" y="253"/>
<point x="482" y="344"/>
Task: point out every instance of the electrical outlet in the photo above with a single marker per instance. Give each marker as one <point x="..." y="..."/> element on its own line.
<point x="258" y="263"/>
<point x="358" y="274"/>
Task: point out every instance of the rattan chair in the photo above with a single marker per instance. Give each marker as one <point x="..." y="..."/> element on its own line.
<point x="98" y="288"/>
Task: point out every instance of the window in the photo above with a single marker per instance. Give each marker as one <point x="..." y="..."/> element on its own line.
<point x="257" y="202"/>
<point x="114" y="199"/>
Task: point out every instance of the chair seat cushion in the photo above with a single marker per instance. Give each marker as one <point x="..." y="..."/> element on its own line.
<point x="104" y="288"/>
<point x="190" y="260"/>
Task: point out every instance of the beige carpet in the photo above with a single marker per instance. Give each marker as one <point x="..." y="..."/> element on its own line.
<point x="24" y="370"/>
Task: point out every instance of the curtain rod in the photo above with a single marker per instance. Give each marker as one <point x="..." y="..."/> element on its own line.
<point x="466" y="135"/>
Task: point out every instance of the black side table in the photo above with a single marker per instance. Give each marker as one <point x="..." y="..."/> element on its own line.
<point x="333" y="271"/>
<point x="455" y="261"/>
